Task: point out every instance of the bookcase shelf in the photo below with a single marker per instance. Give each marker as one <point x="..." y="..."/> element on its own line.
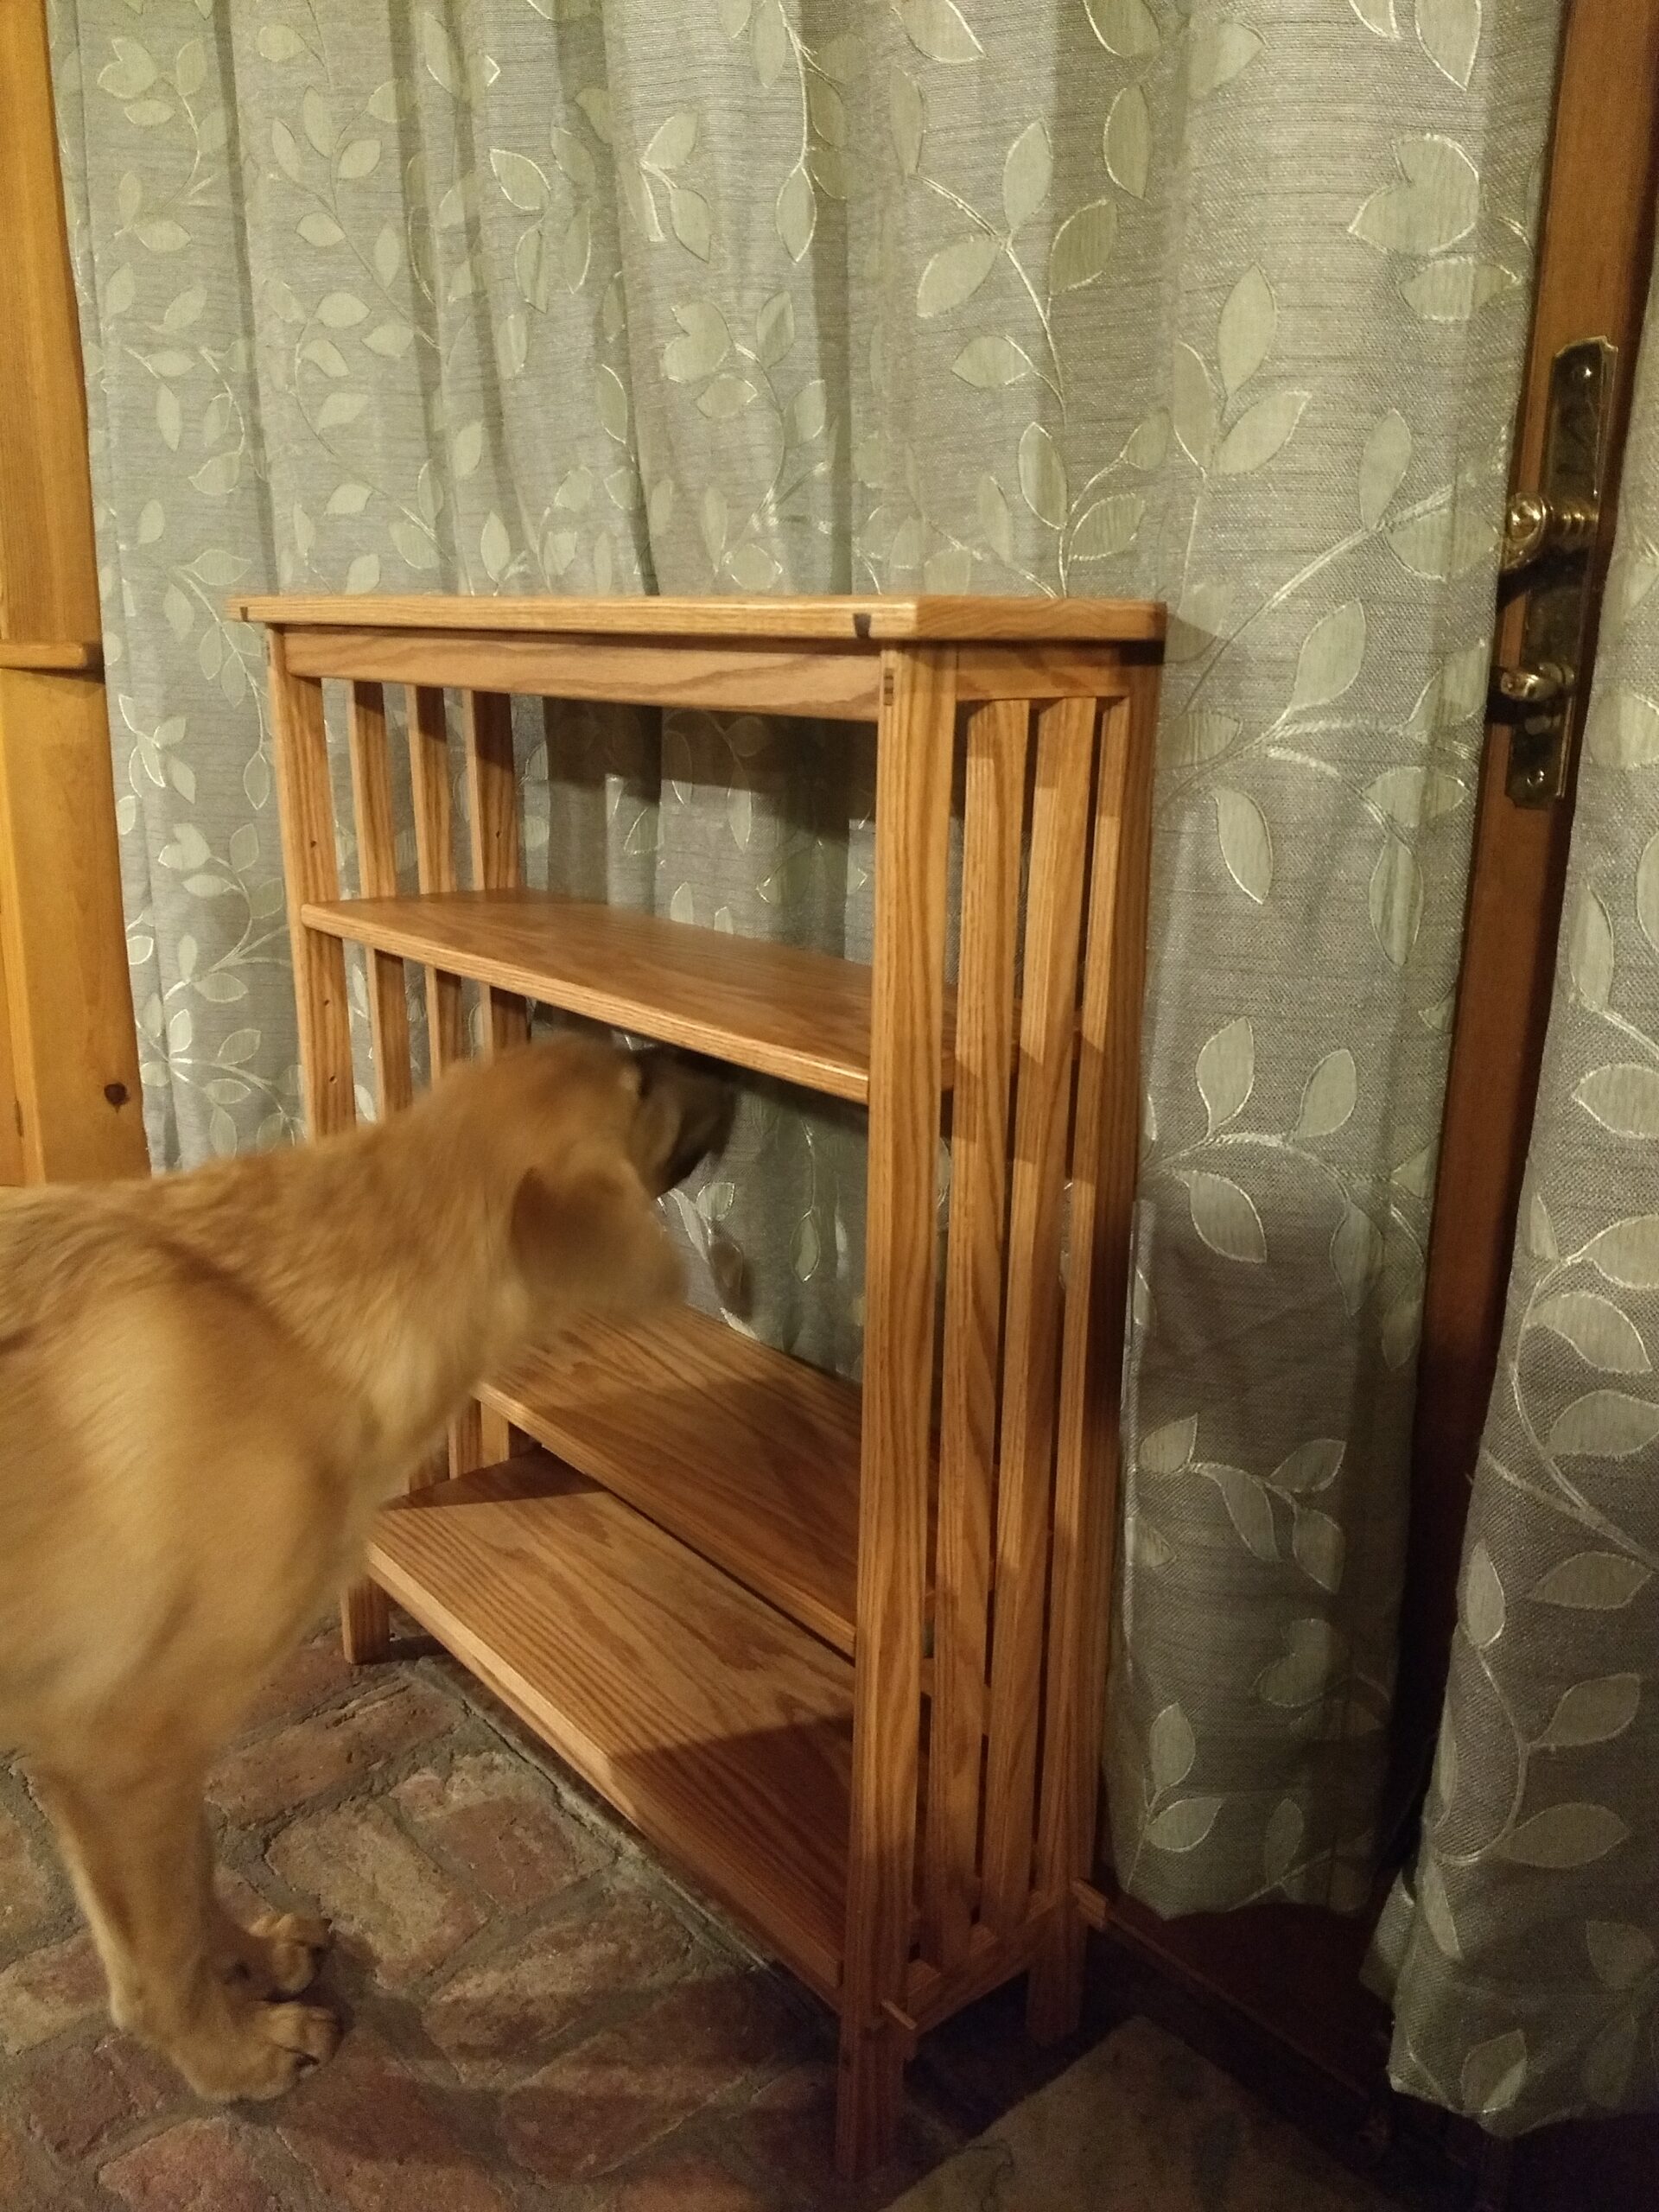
<point x="749" y="1455"/>
<point x="778" y="1011"/>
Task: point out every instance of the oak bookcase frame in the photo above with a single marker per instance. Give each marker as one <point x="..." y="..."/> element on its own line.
<point x="842" y="1660"/>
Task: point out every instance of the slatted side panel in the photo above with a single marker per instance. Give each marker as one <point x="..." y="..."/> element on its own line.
<point x="998" y="743"/>
<point x="1060" y="848"/>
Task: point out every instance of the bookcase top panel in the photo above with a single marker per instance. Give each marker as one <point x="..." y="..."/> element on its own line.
<point x="831" y="620"/>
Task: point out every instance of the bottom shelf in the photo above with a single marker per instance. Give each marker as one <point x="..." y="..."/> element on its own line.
<point x="719" y="1728"/>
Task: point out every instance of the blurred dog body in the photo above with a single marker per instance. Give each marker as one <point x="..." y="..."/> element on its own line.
<point x="208" y="1385"/>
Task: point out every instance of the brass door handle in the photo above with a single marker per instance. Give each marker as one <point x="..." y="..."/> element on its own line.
<point x="1522" y="694"/>
<point x="1536" y="529"/>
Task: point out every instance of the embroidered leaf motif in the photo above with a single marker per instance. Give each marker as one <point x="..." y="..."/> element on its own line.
<point x="1171" y="1748"/>
<point x="1184" y="1825"/>
<point x="1601" y="1335"/>
<point x="1328" y="1100"/>
<point x="1244" y="338"/>
<point x="1226" y="1220"/>
<point x="1597" y="1582"/>
<point x="1126" y="145"/>
<point x="1603" y="1424"/>
<point x="1246" y="846"/>
<point x="1493" y="2074"/>
<point x="1449" y="33"/>
<point x="1566" y="1835"/>
<point x="1482" y="1607"/>
<point x="1593" y="1713"/>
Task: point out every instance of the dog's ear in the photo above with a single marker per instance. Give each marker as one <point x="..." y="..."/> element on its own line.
<point x="593" y="1241"/>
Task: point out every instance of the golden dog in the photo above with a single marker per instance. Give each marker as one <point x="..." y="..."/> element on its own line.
<point x="208" y="1384"/>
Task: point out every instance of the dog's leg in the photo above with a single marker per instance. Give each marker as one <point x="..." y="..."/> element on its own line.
<point x="137" y="1850"/>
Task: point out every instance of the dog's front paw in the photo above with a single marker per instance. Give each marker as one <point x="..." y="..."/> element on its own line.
<point x="278" y="1954"/>
<point x="262" y="2054"/>
<point x="292" y="1945"/>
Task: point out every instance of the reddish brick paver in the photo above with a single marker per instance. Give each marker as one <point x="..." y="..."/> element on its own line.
<point x="26" y="1897"/>
<point x="50" y="1989"/>
<point x="378" y="1886"/>
<point x="271" y="1775"/>
<point x="501" y="1821"/>
<point x="697" y="2182"/>
<point x="376" y="2139"/>
<point x="501" y="2020"/>
<point x="538" y="2019"/>
<point x="203" y="2165"/>
<point x="317" y="1671"/>
<point x="77" y="2101"/>
<point x="617" y="2094"/>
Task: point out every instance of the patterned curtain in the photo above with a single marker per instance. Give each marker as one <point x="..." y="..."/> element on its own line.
<point x="1525" y="1943"/>
<point x="1219" y="304"/>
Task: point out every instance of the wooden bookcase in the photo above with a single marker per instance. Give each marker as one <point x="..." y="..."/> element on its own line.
<point x="840" y="1656"/>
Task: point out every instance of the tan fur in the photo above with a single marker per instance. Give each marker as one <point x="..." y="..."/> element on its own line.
<point x="208" y="1384"/>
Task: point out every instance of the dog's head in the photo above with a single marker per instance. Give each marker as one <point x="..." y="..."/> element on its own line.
<point x="599" y="1135"/>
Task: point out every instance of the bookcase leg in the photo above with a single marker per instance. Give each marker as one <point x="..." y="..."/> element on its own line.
<point x="913" y="777"/>
<point x="1054" y="1992"/>
<point x="365" y="1624"/>
<point x="872" y="2087"/>
<point x="494" y="1436"/>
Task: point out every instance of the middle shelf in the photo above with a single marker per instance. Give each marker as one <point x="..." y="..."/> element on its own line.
<point x="774" y="1009"/>
<point x="750" y="1456"/>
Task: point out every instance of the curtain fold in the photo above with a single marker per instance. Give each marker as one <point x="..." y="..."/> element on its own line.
<point x="1224" y="307"/>
<point x="1524" y="1946"/>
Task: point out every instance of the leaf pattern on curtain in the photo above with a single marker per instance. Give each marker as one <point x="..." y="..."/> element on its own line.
<point x="1525" y="1946"/>
<point x="1219" y="304"/>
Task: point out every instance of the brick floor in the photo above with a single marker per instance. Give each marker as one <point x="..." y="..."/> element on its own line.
<point x="538" y="2019"/>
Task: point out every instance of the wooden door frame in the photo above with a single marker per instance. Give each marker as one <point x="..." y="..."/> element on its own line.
<point x="69" y="1079"/>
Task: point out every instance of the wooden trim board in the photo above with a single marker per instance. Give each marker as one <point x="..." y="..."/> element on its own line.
<point x="760" y="678"/>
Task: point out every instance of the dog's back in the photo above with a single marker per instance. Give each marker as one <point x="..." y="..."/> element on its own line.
<point x="152" y="1429"/>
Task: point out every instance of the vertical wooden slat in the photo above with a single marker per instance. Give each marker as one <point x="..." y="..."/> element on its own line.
<point x="364" y="1609"/>
<point x="482" y="1437"/>
<point x="1059" y="837"/>
<point x="913" y="777"/>
<point x="377" y="850"/>
<point x="445" y="1024"/>
<point x="312" y="872"/>
<point x="1105" y="1159"/>
<point x="435" y="860"/>
<point x="993" y="835"/>
<point x="493" y="805"/>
